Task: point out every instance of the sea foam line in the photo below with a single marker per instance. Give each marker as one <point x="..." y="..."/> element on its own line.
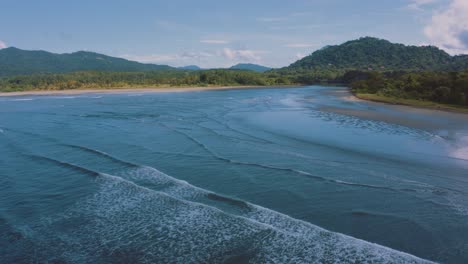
<point x="261" y="216"/>
<point x="269" y="219"/>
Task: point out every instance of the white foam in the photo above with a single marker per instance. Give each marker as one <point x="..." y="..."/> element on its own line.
<point x="126" y="220"/>
<point x="460" y="150"/>
<point x="457" y="149"/>
<point x="64" y="97"/>
<point x="305" y="233"/>
<point x="22" y="99"/>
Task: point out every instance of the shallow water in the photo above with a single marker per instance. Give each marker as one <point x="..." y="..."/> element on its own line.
<point x="188" y="177"/>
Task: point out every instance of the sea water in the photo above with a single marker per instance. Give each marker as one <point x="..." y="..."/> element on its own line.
<point x="278" y="175"/>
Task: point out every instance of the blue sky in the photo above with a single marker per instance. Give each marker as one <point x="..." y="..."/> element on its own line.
<point x="222" y="33"/>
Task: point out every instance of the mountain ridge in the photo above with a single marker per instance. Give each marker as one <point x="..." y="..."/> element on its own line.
<point x="369" y="53"/>
<point x="14" y="61"/>
<point x="250" y="67"/>
<point x="329" y="62"/>
<point x="190" y="68"/>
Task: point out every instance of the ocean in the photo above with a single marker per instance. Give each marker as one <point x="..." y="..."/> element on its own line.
<point x="271" y="175"/>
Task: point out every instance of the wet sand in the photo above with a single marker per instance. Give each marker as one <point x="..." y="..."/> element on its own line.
<point x="134" y="90"/>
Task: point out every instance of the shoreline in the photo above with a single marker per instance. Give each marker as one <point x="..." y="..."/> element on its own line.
<point x="137" y="90"/>
<point x="356" y="96"/>
<point x="410" y="103"/>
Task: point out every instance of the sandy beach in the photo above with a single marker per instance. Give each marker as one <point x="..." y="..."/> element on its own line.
<point x="133" y="90"/>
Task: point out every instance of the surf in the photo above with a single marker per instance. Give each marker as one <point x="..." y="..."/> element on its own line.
<point x="158" y="176"/>
<point x="134" y="191"/>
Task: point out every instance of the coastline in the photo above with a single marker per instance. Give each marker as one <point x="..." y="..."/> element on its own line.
<point x="354" y="96"/>
<point x="411" y="103"/>
<point x="137" y="90"/>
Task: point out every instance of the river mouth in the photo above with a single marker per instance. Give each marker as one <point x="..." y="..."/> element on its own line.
<point x="269" y="175"/>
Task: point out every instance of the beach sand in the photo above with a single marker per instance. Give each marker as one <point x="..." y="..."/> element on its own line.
<point x="133" y="90"/>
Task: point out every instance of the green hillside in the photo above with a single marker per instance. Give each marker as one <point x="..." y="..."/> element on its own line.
<point x="15" y="61"/>
<point x="250" y="67"/>
<point x="377" y="54"/>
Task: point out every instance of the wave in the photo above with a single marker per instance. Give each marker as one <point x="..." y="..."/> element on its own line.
<point x="361" y="213"/>
<point x="182" y="154"/>
<point x="460" y="150"/>
<point x="452" y="196"/>
<point x="265" y="166"/>
<point x="35" y="98"/>
<point x="417" y="187"/>
<point x="64" y="164"/>
<point x="120" y="115"/>
<point x="21" y="99"/>
<point x="251" y="138"/>
<point x="64" y="97"/>
<point x="101" y="153"/>
<point x="32" y="135"/>
<point x="174" y="224"/>
<point x="365" y="120"/>
<point x="217" y="197"/>
<point x="232" y="138"/>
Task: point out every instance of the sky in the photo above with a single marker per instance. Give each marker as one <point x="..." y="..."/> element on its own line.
<point x="211" y="33"/>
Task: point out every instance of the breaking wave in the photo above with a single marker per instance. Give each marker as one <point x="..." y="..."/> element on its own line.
<point x="143" y="215"/>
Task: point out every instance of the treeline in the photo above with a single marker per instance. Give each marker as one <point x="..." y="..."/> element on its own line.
<point x="96" y="79"/>
<point x="440" y="87"/>
<point x="308" y="76"/>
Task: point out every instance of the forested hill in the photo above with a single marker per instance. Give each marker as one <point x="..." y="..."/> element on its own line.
<point x="377" y="54"/>
<point x="15" y="61"/>
<point x="250" y="67"/>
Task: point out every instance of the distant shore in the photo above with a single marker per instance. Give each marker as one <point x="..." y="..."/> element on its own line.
<point x="135" y="90"/>
<point x="411" y="103"/>
<point x="355" y="96"/>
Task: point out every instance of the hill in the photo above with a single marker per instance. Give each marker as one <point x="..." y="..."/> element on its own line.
<point x="250" y="67"/>
<point x="190" y="68"/>
<point x="377" y="54"/>
<point x="14" y="61"/>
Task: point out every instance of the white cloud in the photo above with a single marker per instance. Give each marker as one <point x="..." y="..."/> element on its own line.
<point x="214" y="41"/>
<point x="169" y="58"/>
<point x="3" y="45"/>
<point x="448" y="29"/>
<point x="300" y="45"/>
<point x="244" y="55"/>
<point x="419" y="4"/>
<point x="206" y="59"/>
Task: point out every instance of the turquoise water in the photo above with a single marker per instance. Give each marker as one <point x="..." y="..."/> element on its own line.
<point x="294" y="175"/>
